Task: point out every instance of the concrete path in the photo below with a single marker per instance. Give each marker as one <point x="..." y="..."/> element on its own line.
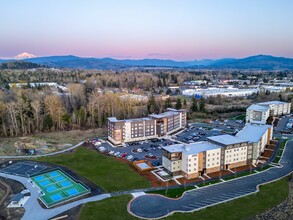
<point x="156" y="206"/>
<point x="33" y="210"/>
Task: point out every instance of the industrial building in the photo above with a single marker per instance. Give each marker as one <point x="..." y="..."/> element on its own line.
<point x="260" y="112"/>
<point x="217" y="153"/>
<point x="138" y="129"/>
<point x="228" y="92"/>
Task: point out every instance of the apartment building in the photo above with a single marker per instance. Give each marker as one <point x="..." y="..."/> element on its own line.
<point x="260" y="112"/>
<point x="170" y="121"/>
<point x="138" y="129"/>
<point x="217" y="153"/>
<point x="278" y="108"/>
<point x="257" y="114"/>
<point x="258" y="135"/>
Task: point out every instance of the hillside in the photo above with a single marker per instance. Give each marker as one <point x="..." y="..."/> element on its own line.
<point x="14" y="65"/>
<point x="260" y="62"/>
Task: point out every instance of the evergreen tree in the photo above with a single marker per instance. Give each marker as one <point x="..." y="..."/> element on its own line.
<point x="167" y="103"/>
<point x="152" y="105"/>
<point x="184" y="103"/>
<point x="194" y="105"/>
<point x="202" y="104"/>
<point x="178" y="104"/>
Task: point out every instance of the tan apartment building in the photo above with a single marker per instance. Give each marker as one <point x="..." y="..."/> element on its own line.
<point x="156" y="125"/>
<point x="259" y="136"/>
<point x="217" y="153"/>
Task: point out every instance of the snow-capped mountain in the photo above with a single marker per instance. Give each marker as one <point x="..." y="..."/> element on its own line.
<point x="24" y="55"/>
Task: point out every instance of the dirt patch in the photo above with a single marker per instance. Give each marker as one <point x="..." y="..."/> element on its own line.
<point x="11" y="213"/>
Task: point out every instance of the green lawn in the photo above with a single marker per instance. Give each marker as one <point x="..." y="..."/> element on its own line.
<point x="108" y="173"/>
<point x="269" y="196"/>
<point x="172" y="193"/>
<point x="240" y="117"/>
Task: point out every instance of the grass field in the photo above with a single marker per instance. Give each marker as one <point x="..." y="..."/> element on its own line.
<point x="240" y="117"/>
<point x="269" y="196"/>
<point x="177" y="192"/>
<point x="108" y="173"/>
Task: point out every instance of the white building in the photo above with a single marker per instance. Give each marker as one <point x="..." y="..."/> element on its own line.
<point x="259" y="113"/>
<point x="228" y="92"/>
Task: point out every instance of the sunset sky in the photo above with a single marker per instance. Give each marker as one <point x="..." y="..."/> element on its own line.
<point x="135" y="29"/>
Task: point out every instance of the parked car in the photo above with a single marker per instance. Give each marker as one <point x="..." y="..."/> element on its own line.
<point x="111" y="152"/>
<point x="117" y="153"/>
<point x="129" y="157"/>
<point x="124" y="155"/>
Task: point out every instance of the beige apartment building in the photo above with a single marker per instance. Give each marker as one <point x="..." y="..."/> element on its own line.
<point x="217" y="153"/>
<point x="138" y="129"/>
<point x="260" y="112"/>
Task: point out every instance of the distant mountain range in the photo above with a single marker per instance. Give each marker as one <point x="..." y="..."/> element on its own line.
<point x="261" y="62"/>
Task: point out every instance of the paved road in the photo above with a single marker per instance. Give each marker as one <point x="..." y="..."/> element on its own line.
<point x="155" y="206"/>
<point x="43" y="155"/>
<point x="33" y="210"/>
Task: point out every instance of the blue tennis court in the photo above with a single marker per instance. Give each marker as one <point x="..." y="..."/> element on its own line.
<point x="65" y="183"/>
<point x="45" y="183"/>
<point x="56" y="197"/>
<point x="51" y="189"/>
<point x="72" y="192"/>
<point x="54" y="173"/>
<point x="58" y="178"/>
<point x="39" y="178"/>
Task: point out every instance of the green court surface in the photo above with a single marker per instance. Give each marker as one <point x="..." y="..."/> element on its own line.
<point x="56" y="187"/>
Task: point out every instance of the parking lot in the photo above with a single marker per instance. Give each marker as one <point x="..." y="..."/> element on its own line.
<point x="200" y="131"/>
<point x="150" y="150"/>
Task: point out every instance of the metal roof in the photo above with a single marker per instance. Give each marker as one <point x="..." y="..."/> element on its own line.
<point x="253" y="132"/>
<point x="226" y="139"/>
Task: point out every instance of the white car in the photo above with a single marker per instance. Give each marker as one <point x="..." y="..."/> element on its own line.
<point x="129" y="157"/>
<point x="117" y="153"/>
<point x="139" y="150"/>
<point x="111" y="152"/>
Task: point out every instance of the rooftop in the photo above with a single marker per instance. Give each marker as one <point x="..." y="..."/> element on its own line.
<point x="257" y="107"/>
<point x="164" y="114"/>
<point x="114" y="119"/>
<point x="272" y="103"/>
<point x="253" y="132"/>
<point x="191" y="149"/>
<point x="226" y="139"/>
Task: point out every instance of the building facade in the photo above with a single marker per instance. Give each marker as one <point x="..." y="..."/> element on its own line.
<point x="156" y="125"/>
<point x="217" y="153"/>
<point x="260" y="112"/>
